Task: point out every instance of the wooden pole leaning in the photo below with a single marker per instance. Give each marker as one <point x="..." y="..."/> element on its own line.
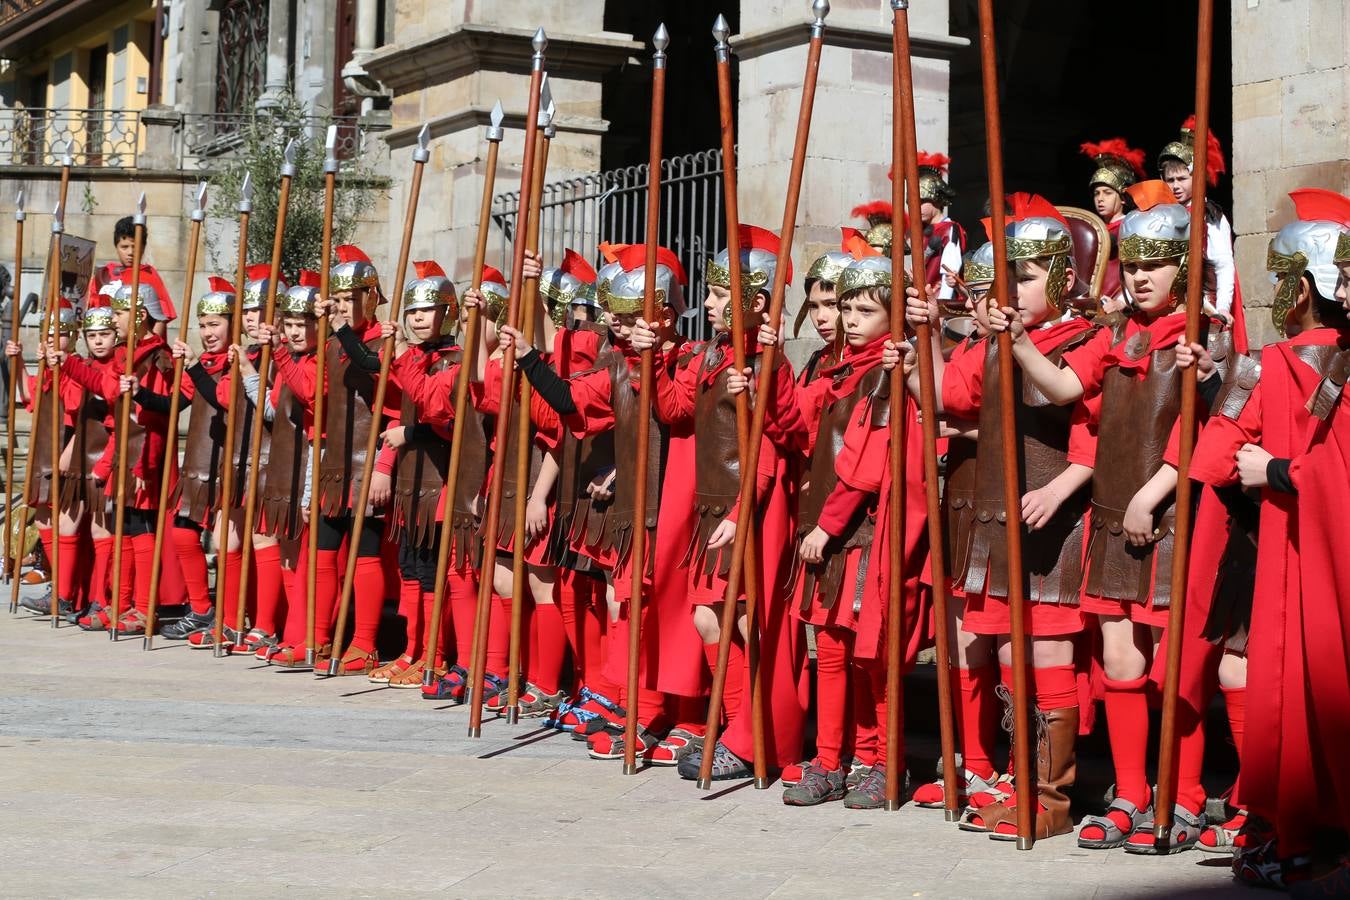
<point x="57" y="420"/>
<point x="330" y="170"/>
<point x="905" y="158"/>
<point x="421" y="154"/>
<point x="638" y="559"/>
<point x="54" y="271"/>
<point x="17" y="370"/>
<point x="124" y="420"/>
<point x="529" y="309"/>
<point x="1012" y="495"/>
<point x="222" y="534"/>
<point x="1176" y="613"/>
<point x="264" y="370"/>
<point x="491" y="522"/>
<point x="175" y="403"/>
<point x="750" y="460"/>
<point x="493" y="136"/>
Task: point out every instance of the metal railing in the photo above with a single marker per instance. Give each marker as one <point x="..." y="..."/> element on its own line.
<point x="98" y="137"/>
<point x="204" y="138"/>
<point x="579" y="213"/>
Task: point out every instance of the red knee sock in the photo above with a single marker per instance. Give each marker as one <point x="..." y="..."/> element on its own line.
<point x="69" y="561"/>
<point x="594" y="623"/>
<point x="267" y="583"/>
<point x="834" y="652"/>
<point x="297" y="607"/>
<point x="1056" y="687"/>
<point x="733" y="690"/>
<point x="976" y="715"/>
<point x="234" y="565"/>
<point x="126" y="577"/>
<point x="187" y="543"/>
<point x="427" y="601"/>
<point x="550" y="648"/>
<point x="367" y="601"/>
<point x="1127" y="728"/>
<point x="1236" y="701"/>
<point x="143" y="548"/>
<point x="326" y="587"/>
<point x="869" y="693"/>
<point x="98" y="575"/>
<point x="45" y="535"/>
<point x="410" y="608"/>
<point x="462" y="609"/>
<point x="1190" y="757"/>
<point x="499" y="637"/>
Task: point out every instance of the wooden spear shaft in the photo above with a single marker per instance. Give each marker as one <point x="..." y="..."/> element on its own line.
<point x="56" y="424"/>
<point x="904" y="148"/>
<point x="16" y="371"/>
<point x="768" y="357"/>
<point x="470" y="350"/>
<point x="420" y="157"/>
<point x="1012" y="498"/>
<point x="1176" y="613"/>
<point x="175" y="402"/>
<point x="524" y="431"/>
<point x="638" y="557"/>
<point x="264" y="370"/>
<point x="492" y="521"/>
<point x="124" y="422"/>
<point x="320" y="402"/>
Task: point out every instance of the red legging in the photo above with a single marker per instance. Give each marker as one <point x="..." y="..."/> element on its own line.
<point x="834" y="665"/>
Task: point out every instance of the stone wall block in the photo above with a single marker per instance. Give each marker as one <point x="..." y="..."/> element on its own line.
<point x="1328" y="34"/>
<point x="1313" y="123"/>
<point x="1256" y="31"/>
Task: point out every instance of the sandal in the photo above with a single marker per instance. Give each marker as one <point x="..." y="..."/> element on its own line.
<point x="933" y="794"/>
<point x="411" y="677"/>
<point x="206" y="639"/>
<point x="494" y="688"/>
<point x="1225" y="837"/>
<point x="870" y="791"/>
<point x="534" y="702"/>
<point x="355" y="661"/>
<point x="448" y="686"/>
<point x="1262" y="866"/>
<point x="98" y="619"/>
<point x="382" y="674"/>
<point x="1112" y="835"/>
<point x="294" y="657"/>
<point x="131" y="624"/>
<point x="1183" y="834"/>
<point x="726" y="766"/>
<point x="611" y="746"/>
<point x="253" y="641"/>
<point x="675" y="747"/>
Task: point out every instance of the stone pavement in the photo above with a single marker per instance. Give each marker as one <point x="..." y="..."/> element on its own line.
<point x="170" y="773"/>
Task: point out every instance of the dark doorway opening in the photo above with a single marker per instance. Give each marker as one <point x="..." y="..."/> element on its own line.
<point x="691" y="80"/>
<point x="1071" y="72"/>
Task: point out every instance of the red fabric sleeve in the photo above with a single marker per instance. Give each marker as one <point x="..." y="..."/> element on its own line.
<point x="487" y="394"/>
<point x="1215" y="459"/>
<point x="592" y="399"/>
<point x="99" y="382"/>
<point x="301" y="379"/>
<point x="1082" y="437"/>
<point x="674" y="395"/>
<point x="862" y="462"/>
<point x="963" y="385"/>
<point x="783" y="422"/>
<point x="840" y="508"/>
<point x="1088" y="362"/>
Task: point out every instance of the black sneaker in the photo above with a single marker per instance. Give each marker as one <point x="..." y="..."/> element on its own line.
<point x="190" y="624"/>
<point x="41" y="604"/>
<point x="727" y="766"/>
<point x="816" y="786"/>
<point x="870" y="792"/>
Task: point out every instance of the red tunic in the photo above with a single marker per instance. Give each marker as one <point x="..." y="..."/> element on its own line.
<point x="114" y="271"/>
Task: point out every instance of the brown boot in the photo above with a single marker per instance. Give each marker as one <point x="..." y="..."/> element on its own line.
<point x="1056" y="765"/>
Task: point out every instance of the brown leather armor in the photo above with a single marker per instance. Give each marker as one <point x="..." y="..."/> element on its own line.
<point x="466" y="545"/>
<point x="81" y="487"/>
<point x="506" y="523"/>
<point x="1137" y="418"/>
<point x="1052" y="556"/>
<point x="717" y="462"/>
<point x="826" y="578"/>
<point x="620" y="523"/>
<point x="203" y="460"/>
<point x="347" y="424"/>
<point x="243" y="435"/>
<point x="136" y="431"/>
<point x="420" y="476"/>
<point x="40" y="452"/>
<point x="287" y="456"/>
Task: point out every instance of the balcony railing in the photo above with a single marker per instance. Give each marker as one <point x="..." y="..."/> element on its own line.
<point x="11" y="8"/>
<point x="129" y="139"/>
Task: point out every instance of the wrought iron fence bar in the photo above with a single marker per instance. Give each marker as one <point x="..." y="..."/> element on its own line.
<point x="109" y="138"/>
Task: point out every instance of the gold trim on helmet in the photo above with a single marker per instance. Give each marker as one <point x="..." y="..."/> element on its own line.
<point x="99" y="318"/>
<point x="1057" y="250"/>
<point x="215" y="304"/>
<point x="977" y="274"/>
<point x="1114" y="177"/>
<point x="855" y="278"/>
<point x="752" y="282"/>
<point x="630" y="306"/>
<point x="1290" y="268"/>
<point x="1342" y="254"/>
<point x="825" y="268"/>
<point x="881" y="237"/>
<point x="1135" y="249"/>
<point x="934" y="188"/>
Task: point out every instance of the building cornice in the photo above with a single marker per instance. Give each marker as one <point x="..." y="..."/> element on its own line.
<point x="469" y="48"/>
<point x="846" y="35"/>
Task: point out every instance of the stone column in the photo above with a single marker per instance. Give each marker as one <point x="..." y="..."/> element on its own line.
<point x="1291" y="100"/>
<point x="358" y="80"/>
<point x="278" y="53"/>
<point x="849" y="152"/>
<point x="451" y="78"/>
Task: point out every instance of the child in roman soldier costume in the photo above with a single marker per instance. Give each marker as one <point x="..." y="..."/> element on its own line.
<point x="149" y="388"/>
<point x="1130" y="542"/>
<point x="205" y="388"/>
<point x="1118" y="165"/>
<point x="821" y="306"/>
<point x="119" y="270"/>
<point x="41" y="460"/>
<point x="1057" y="452"/>
<point x="1223" y="293"/>
<point x="430" y="312"/>
<point x="1270" y="431"/>
<point x="700" y="393"/>
<point x="944" y="240"/>
<point x="352" y="365"/>
<point x="880" y="231"/>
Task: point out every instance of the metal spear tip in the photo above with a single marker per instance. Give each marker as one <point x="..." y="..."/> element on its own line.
<point x="58" y="218"/>
<point x="423" y="151"/>
<point x="246" y="193"/>
<point x="68" y="155"/>
<point x="539" y="42"/>
<point x="199" y="213"/>
<point x="820" y="9"/>
<point x="330" y="160"/>
<point x="546" y="105"/>
<point x="18" y="202"/>
<point x="139" y="218"/>
<point x="661" y="40"/>
<point x="897" y="5"/>
<point x="288" y="167"/>
<point x="498" y="115"/>
<point x="721" y="30"/>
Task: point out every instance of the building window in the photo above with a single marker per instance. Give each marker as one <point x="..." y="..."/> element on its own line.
<point x="241" y="56"/>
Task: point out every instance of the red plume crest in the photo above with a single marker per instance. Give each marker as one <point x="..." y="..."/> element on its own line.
<point x="428" y="268"/>
<point x="1214" y="164"/>
<point x="350" y="253"/>
<point x="309" y="278"/>
<point x="939" y="161"/>
<point x="575" y="264"/>
<point x="1116" y="147"/>
<point x="259" y="271"/>
<point x="1318" y="205"/>
<point x="220" y="285"/>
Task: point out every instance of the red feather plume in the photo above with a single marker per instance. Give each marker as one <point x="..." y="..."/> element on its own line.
<point x="259" y="271"/>
<point x="350" y="253"/>
<point x="755" y="238"/>
<point x="493" y="275"/>
<point x="575" y="264"/>
<point x="1318" y="205"/>
<point x="1025" y="205"/>
<point x="220" y="285"/>
<point x="1151" y="193"/>
<point x="610" y="252"/>
<point x="939" y="161"/>
<point x="1214" y="164"/>
<point x="876" y="212"/>
<point x="635" y="255"/>
<point x="1117" y="148"/>
<point x="309" y="278"/>
<point x="428" y="268"/>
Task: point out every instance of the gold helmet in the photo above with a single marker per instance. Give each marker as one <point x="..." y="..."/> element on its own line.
<point x="1309" y="246"/>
